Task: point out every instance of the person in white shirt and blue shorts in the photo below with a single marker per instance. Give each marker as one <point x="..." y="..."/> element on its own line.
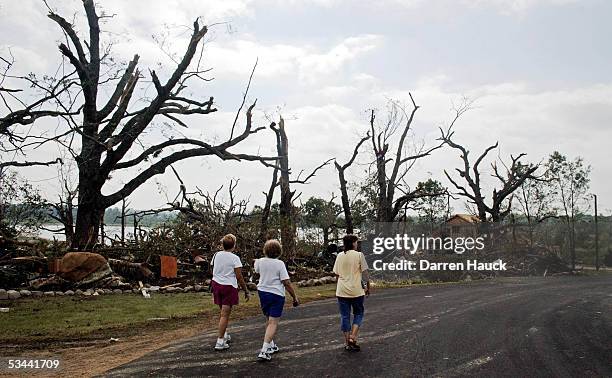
<point x="273" y="280"/>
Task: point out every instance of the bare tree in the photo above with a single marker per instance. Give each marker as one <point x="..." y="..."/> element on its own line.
<point x="287" y="224"/>
<point x="388" y="183"/>
<point x="501" y="199"/>
<point x="341" y="168"/>
<point x="109" y="135"/>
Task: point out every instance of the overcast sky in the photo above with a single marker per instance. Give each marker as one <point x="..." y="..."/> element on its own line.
<point x="539" y="71"/>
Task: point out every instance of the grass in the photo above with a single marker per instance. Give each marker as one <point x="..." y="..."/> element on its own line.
<point x="61" y="319"/>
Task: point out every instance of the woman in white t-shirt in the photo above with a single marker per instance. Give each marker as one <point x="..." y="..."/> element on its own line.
<point x="273" y="280"/>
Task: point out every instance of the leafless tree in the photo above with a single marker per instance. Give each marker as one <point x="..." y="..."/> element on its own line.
<point x="104" y="140"/>
<point x="501" y="199"/>
<point x="399" y="120"/>
<point x="287" y="224"/>
<point x="341" y="168"/>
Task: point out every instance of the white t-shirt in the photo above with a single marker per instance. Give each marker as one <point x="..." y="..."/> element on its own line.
<point x="272" y="273"/>
<point x="224" y="264"/>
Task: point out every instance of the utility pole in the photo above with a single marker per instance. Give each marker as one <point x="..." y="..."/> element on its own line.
<point x="596" y="235"/>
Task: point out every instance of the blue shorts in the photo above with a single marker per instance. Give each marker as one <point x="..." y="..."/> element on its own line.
<point x="271" y="304"/>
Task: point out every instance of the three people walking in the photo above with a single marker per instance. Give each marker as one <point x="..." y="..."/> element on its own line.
<point x="353" y="284"/>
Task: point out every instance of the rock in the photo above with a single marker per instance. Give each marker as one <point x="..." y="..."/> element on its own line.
<point x="187" y="289"/>
<point x="69" y="292"/>
<point x="318" y="282"/>
<point x="468" y="278"/>
<point x="3" y="294"/>
<point x="78" y="292"/>
<point x="83" y="267"/>
<point x="13" y="294"/>
<point x="197" y="288"/>
<point x="127" y="291"/>
<point x="59" y="293"/>
<point x="37" y="294"/>
<point x="100" y="291"/>
<point x="252" y="286"/>
<point x="310" y="282"/>
<point x="117" y="291"/>
<point x="88" y="292"/>
<point x="207" y="282"/>
<point x="135" y="291"/>
<point x="172" y="289"/>
<point x="49" y="293"/>
<point x="25" y="293"/>
<point x="153" y="289"/>
<point x="107" y="291"/>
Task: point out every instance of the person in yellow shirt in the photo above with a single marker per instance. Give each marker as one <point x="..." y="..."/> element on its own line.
<point x="353" y="285"/>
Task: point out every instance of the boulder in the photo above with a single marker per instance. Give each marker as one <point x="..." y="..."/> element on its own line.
<point x="117" y="291"/>
<point x="100" y="291"/>
<point x="25" y="293"/>
<point x="88" y="292"/>
<point x="197" y="288"/>
<point x="78" y="292"/>
<point x="69" y="292"/>
<point x="49" y="293"/>
<point x="3" y="294"/>
<point x="13" y="294"/>
<point x="37" y="294"/>
<point x="59" y="293"/>
<point x="310" y="282"/>
<point x="187" y="289"/>
<point x="153" y="289"/>
<point x="83" y="267"/>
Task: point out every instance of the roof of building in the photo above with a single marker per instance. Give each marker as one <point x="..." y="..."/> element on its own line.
<point x="467" y="218"/>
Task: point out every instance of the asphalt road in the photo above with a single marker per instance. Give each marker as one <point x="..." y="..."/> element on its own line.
<point x="519" y="327"/>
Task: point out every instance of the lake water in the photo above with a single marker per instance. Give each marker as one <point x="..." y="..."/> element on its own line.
<point x="112" y="231"/>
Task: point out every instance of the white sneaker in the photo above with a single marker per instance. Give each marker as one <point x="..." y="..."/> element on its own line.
<point x="264" y="356"/>
<point x="221" y="346"/>
<point x="227" y="338"/>
<point x="273" y="349"/>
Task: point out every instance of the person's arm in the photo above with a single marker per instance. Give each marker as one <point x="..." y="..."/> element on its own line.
<point x="242" y="283"/>
<point x="365" y="275"/>
<point x="289" y="287"/>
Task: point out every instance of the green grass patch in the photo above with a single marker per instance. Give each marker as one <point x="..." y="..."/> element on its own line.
<point x="58" y="319"/>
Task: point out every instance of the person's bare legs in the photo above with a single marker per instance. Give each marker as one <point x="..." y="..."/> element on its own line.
<point x="354" y="332"/>
<point x="271" y="326"/>
<point x="347" y="336"/>
<point x="226" y="310"/>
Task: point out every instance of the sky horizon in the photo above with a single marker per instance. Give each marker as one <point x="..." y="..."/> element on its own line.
<point x="537" y="70"/>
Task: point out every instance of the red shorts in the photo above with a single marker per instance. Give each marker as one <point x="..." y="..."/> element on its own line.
<point x="224" y="294"/>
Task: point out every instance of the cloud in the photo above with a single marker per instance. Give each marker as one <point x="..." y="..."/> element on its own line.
<point x="309" y="64"/>
<point x="516" y="6"/>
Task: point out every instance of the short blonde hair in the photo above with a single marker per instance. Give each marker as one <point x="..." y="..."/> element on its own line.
<point x="273" y="249"/>
<point x="228" y="241"/>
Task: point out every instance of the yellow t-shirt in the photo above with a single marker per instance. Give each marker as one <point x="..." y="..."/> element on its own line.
<point x="348" y="267"/>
